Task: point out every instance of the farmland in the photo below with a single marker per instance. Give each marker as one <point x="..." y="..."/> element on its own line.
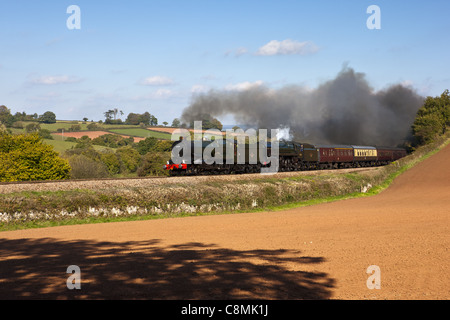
<point x="143" y="133"/>
<point x="61" y="130"/>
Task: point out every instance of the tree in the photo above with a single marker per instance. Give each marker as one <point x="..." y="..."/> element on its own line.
<point x="112" y="162"/>
<point x="18" y="116"/>
<point x="215" y="124"/>
<point x="153" y="121"/>
<point x="45" y="134"/>
<point x="108" y="115"/>
<point x="84" y="167"/>
<point x="86" y="162"/>
<point x="165" y="123"/>
<point x="133" y="119"/>
<point x="5" y="116"/>
<point x="208" y="122"/>
<point x="146" y="145"/>
<point x="113" y="113"/>
<point x="92" y="126"/>
<point x="146" y="118"/>
<point x="176" y="123"/>
<point x="32" y="127"/>
<point x="130" y="158"/>
<point x="152" y="164"/>
<point x="74" y="127"/>
<point x="112" y="141"/>
<point x="426" y="127"/>
<point x="85" y="119"/>
<point x="4" y="111"/>
<point x="432" y="118"/>
<point x="162" y="146"/>
<point x="83" y="143"/>
<point x="48" y="117"/>
<point x="25" y="157"/>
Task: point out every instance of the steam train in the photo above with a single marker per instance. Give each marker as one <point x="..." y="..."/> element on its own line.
<point x="292" y="156"/>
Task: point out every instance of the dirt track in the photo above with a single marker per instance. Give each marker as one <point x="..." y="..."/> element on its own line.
<point x="317" y="252"/>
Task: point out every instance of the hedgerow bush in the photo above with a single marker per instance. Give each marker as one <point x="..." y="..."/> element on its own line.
<point x="25" y="157"/>
<point x="432" y="119"/>
<point x="84" y="167"/>
<point x="130" y="159"/>
<point x="152" y="164"/>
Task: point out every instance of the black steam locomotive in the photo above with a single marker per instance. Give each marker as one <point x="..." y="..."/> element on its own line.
<point x="292" y="156"/>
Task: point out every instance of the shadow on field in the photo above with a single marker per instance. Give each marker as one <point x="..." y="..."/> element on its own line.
<point x="36" y="269"/>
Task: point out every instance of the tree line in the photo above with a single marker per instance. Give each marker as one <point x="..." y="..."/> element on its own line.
<point x="432" y="119"/>
<point x="111" y="117"/>
<point x="147" y="119"/>
<point x="8" y="119"/>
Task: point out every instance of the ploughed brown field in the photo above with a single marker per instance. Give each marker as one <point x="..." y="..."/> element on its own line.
<point x="172" y="130"/>
<point x="316" y="252"/>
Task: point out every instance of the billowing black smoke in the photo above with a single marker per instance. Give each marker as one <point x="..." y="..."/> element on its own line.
<point x="345" y="110"/>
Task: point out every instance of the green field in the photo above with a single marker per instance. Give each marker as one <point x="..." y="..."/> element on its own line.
<point x="61" y="124"/>
<point x="143" y="133"/>
<point x="53" y="127"/>
<point x="60" y="145"/>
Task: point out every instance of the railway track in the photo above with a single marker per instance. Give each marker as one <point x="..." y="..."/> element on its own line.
<point x="77" y="180"/>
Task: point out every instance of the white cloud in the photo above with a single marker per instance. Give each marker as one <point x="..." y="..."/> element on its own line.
<point x="287" y="47"/>
<point x="241" y="51"/>
<point x="237" y="53"/>
<point x="157" y="81"/>
<point x="243" y="86"/>
<point x="407" y="83"/>
<point x="163" y="93"/>
<point x="53" y="80"/>
<point x="199" y="88"/>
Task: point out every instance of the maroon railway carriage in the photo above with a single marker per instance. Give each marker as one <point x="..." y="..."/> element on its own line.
<point x="334" y="156"/>
<point x="386" y="155"/>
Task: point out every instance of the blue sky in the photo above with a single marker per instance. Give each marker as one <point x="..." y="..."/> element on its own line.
<point x="154" y="56"/>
